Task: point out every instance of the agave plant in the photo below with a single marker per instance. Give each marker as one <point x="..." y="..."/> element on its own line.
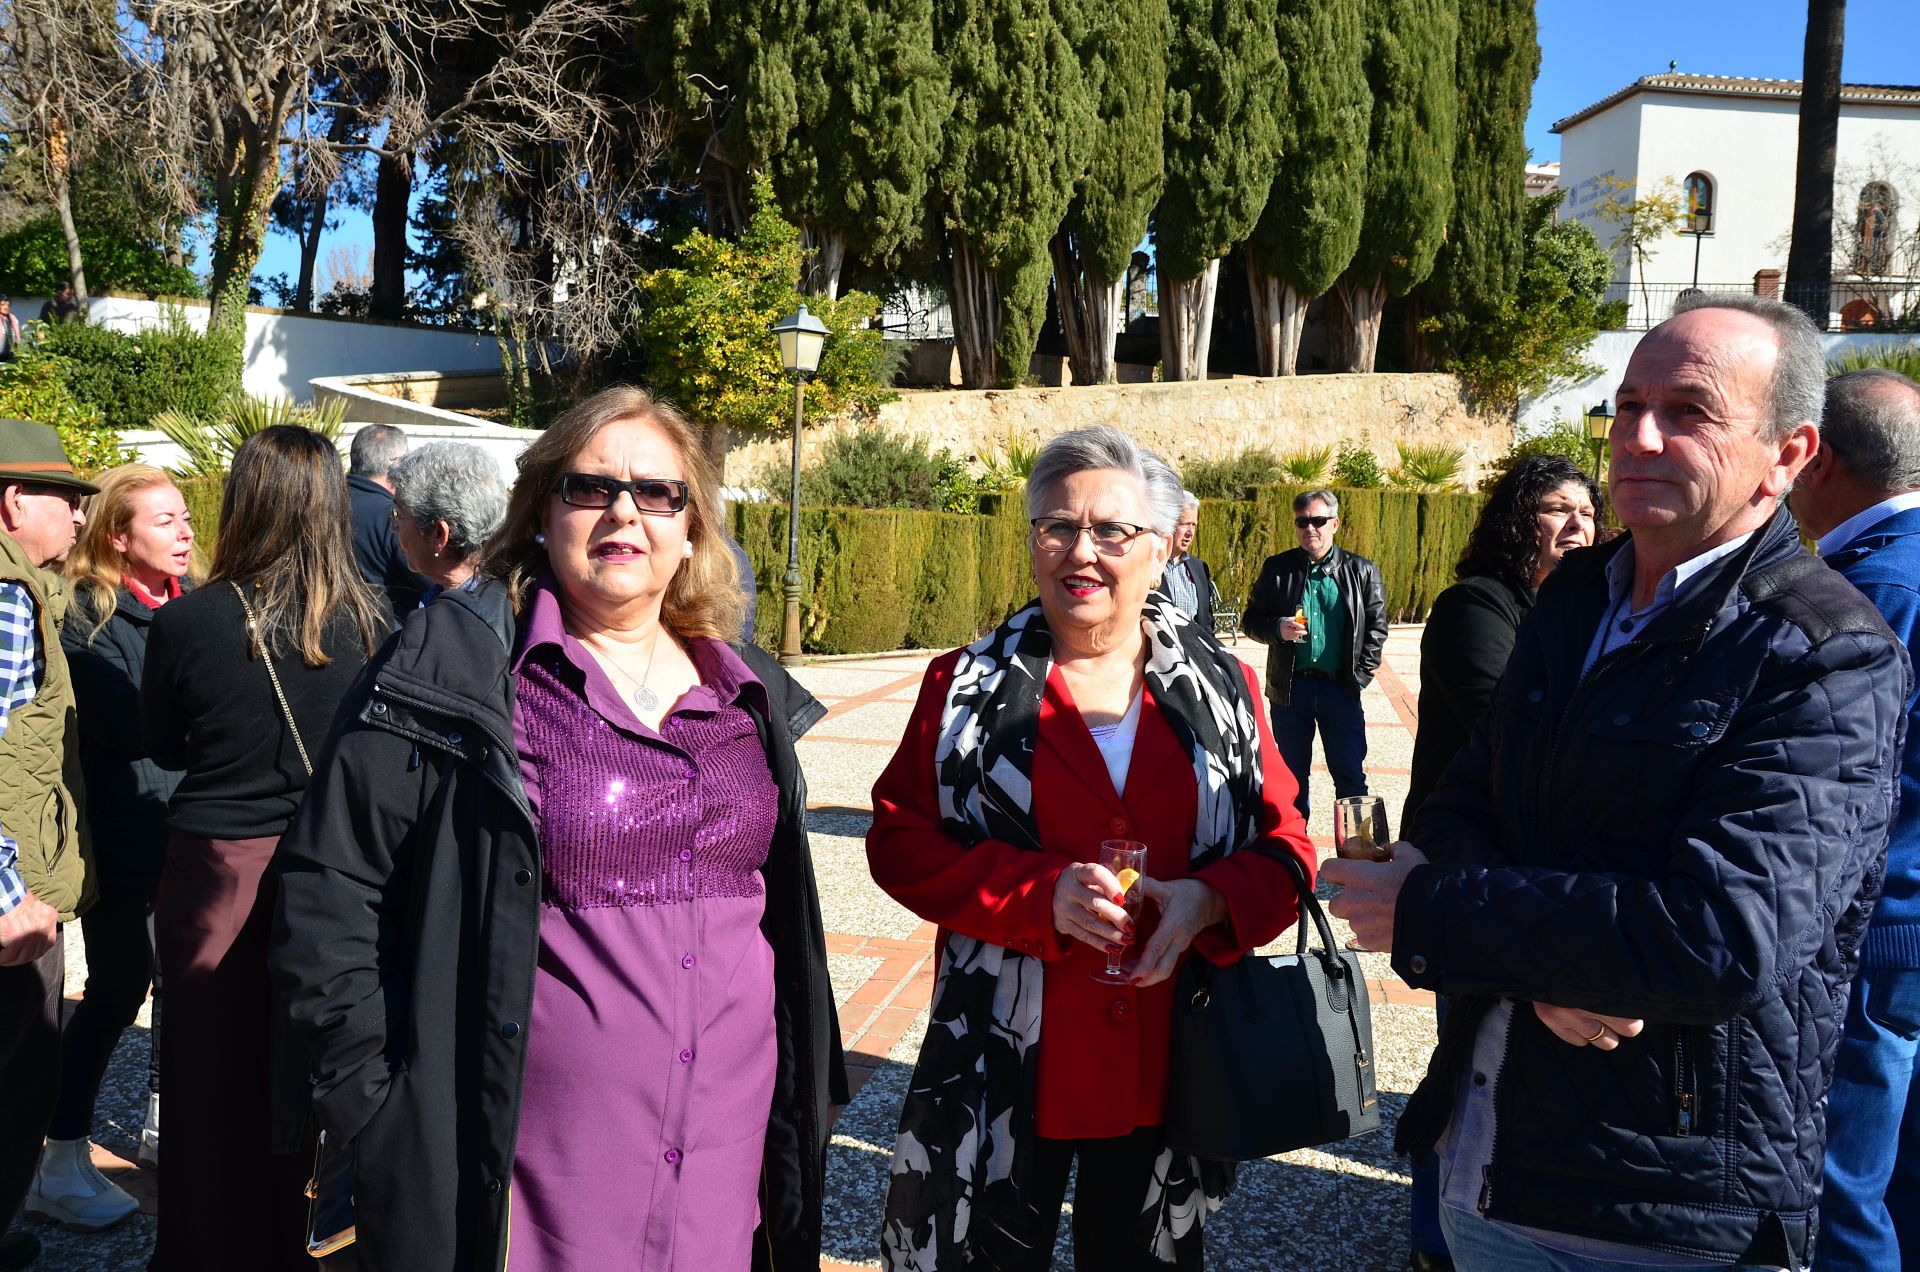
<point x="207" y="443"/>
<point x="1904" y="358"/>
<point x="1307" y="467"/>
<point x="1428" y="466"/>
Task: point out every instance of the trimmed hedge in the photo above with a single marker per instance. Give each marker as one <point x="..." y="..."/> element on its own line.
<point x="202" y="495"/>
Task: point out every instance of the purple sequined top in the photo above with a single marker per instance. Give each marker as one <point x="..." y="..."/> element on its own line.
<point x="650" y="1053"/>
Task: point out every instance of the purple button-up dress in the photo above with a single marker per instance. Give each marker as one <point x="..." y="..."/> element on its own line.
<point x="650" y="1056"/>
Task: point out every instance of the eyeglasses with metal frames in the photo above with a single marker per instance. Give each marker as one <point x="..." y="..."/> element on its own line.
<point x="1110" y="538"/>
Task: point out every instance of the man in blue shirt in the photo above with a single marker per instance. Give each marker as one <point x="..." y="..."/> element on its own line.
<point x="1861" y="496"/>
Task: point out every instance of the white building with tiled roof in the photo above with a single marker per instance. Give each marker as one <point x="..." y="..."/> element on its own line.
<point x="1729" y="144"/>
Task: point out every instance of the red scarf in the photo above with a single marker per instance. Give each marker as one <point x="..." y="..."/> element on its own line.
<point x="148" y="599"/>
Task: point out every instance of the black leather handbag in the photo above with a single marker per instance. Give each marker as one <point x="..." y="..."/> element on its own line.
<point x="1272" y="1053"/>
<point x="330" y="1225"/>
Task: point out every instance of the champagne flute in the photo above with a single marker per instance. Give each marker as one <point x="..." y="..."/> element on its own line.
<point x="1126" y="859"/>
<point x="1360" y="834"/>
<point x="1300" y="617"/>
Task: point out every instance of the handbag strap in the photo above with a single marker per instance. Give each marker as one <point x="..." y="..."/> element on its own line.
<point x="286" y="712"/>
<point x="1310" y="909"/>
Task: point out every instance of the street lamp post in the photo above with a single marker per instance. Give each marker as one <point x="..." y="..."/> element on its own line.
<point x="801" y="337"/>
<point x="1599" y="427"/>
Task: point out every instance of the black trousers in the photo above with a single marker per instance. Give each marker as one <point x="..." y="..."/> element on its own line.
<point x="1108" y="1192"/>
<point x="120" y="968"/>
<point x="29" y="1069"/>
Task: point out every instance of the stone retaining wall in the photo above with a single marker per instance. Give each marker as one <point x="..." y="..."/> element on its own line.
<point x="1187" y="421"/>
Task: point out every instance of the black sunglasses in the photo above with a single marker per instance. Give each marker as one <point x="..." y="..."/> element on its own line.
<point x="660" y="496"/>
<point x="1301" y="523"/>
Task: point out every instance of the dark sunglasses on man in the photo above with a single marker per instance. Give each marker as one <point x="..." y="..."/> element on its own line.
<point x="657" y="496"/>
<point x="1301" y="523"/>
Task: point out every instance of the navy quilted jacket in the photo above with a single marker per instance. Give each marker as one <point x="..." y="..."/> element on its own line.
<point x="1686" y="835"/>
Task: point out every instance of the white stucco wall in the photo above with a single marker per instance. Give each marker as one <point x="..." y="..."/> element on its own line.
<point x="285" y="351"/>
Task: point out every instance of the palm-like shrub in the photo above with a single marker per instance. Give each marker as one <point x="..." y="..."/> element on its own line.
<point x="209" y="441"/>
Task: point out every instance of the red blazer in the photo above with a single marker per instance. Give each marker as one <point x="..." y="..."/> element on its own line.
<point x="1103" y="1050"/>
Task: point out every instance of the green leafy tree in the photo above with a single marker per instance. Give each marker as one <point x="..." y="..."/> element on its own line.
<point x="1311" y="225"/>
<point x="705" y="328"/>
<point x="34" y="387"/>
<point x="131" y="376"/>
<point x="1126" y="62"/>
<point x="1539" y="336"/>
<point x="870" y="98"/>
<point x="1410" y="64"/>
<point x="1641" y="223"/>
<point x="1224" y="79"/>
<point x="34" y="261"/>
<point x="1012" y="150"/>
<point x="1478" y="269"/>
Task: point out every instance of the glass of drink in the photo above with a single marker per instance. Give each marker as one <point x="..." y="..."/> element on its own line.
<point x="1360" y="828"/>
<point x="1127" y="860"/>
<point x="1300" y="615"/>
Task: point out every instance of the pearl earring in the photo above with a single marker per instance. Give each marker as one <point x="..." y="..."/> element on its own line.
<point x="540" y="539"/>
<point x="686" y="550"/>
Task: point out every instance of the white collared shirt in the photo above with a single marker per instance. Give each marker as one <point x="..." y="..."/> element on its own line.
<point x="1866" y="519"/>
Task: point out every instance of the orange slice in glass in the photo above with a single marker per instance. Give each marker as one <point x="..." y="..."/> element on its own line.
<point x="1127" y="879"/>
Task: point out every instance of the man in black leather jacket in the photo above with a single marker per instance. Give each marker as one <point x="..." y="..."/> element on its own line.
<point x="1644" y="884"/>
<point x="1316" y="668"/>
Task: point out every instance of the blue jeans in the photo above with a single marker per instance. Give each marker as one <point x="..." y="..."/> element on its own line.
<point x="1870" y="1207"/>
<point x="1479" y="1245"/>
<point x="1335" y="709"/>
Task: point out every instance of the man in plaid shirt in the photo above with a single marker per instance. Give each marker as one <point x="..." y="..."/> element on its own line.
<point x="39" y="518"/>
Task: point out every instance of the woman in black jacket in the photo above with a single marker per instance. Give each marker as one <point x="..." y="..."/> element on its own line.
<point x="242" y="678"/>
<point x="134" y="555"/>
<point x="547" y="922"/>
<point x="1539" y="511"/>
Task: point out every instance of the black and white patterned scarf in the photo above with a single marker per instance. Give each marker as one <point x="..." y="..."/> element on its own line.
<point x="955" y="1195"/>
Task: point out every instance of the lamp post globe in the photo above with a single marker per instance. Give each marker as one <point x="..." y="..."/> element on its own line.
<point x="1599" y="428"/>
<point x="801" y="336"/>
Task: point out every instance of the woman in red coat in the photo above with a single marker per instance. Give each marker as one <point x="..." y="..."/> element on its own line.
<point x="1095" y="714"/>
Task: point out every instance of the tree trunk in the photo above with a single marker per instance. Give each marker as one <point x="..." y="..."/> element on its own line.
<point x="1089" y="313"/>
<point x="1810" y="254"/>
<point x="1419" y="343"/>
<point x="974" y="292"/>
<point x="76" y="263"/>
<point x="826" y="256"/>
<point x="1353" y="323"/>
<point x="310" y="252"/>
<point x="1186" y="324"/>
<point x="1279" y="318"/>
<point x="245" y="201"/>
<point x="392" y="192"/>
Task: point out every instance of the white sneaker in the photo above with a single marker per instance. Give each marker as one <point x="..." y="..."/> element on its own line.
<point x="149" y="1151"/>
<point x="68" y="1189"/>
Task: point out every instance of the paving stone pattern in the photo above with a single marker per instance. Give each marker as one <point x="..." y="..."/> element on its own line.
<point x="1341" y="1208"/>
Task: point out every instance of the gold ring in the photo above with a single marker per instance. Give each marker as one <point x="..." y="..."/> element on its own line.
<point x="1598" y="1034"/>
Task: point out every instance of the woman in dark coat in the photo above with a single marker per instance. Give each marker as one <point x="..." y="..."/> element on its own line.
<point x="281" y="628"/>
<point x="548" y="924"/>
<point x="133" y="556"/>
<point x="1539" y="511"/>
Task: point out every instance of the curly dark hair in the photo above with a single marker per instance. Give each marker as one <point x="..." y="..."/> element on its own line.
<point x="1505" y="541"/>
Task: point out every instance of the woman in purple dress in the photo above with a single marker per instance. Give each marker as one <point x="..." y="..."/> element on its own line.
<point x="548" y="923"/>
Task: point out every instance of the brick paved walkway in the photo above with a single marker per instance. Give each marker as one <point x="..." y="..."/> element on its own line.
<point x="1343" y="1208"/>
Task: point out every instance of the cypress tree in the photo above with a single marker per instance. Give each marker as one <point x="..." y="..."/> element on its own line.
<point x="1222" y="143"/>
<point x="1125" y="57"/>
<point x="1311" y="225"/>
<point x="1012" y="149"/>
<point x="1477" y="273"/>
<point x="870" y="100"/>
<point x="1411" y="46"/>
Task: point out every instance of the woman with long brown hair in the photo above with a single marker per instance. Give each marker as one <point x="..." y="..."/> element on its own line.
<point x="134" y="555"/>
<point x="547" y="918"/>
<point x="242" y="680"/>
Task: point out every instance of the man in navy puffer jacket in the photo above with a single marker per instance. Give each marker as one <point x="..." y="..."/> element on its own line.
<point x="1645" y="882"/>
<point x="1861" y="496"/>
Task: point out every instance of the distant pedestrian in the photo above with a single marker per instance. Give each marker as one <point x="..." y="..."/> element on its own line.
<point x="64" y="307"/>
<point x="9" y="331"/>
<point x="1321" y="611"/>
<point x="375" y="449"/>
<point x="242" y="679"/>
<point x="46" y="871"/>
<point x="135" y="554"/>
<point x="448" y="500"/>
<point x="1861" y="496"/>
<point x="1188" y="583"/>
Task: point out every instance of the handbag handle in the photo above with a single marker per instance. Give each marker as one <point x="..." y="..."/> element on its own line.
<point x="1310" y="913"/>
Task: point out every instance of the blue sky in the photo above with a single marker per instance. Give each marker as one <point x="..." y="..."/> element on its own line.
<point x="1588" y="49"/>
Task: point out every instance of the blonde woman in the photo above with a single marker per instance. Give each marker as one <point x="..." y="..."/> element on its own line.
<point x="134" y="555"/>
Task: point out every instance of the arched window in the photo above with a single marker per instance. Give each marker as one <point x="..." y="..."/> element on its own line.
<point x="1699" y="203"/>
<point x="1874" y="227"/>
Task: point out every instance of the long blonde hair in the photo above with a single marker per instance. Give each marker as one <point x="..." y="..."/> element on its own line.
<point x="704" y="598"/>
<point x="97" y="568"/>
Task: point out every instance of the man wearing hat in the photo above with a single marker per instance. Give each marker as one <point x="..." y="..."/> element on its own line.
<point x="45" y="869"/>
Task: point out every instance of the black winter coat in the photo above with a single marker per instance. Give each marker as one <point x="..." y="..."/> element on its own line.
<point x="1277" y="593"/>
<point x="1686" y="835"/>
<point x="1463" y="651"/>
<point x="407" y="928"/>
<point x="127" y="792"/>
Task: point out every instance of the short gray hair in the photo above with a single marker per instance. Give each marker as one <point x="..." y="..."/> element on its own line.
<point x="1872" y="426"/>
<point x="1104" y="446"/>
<point x="376" y="449"/>
<point x="1302" y="502"/>
<point x="1189" y="502"/>
<point x="1799" y="387"/>
<point x="455" y="483"/>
